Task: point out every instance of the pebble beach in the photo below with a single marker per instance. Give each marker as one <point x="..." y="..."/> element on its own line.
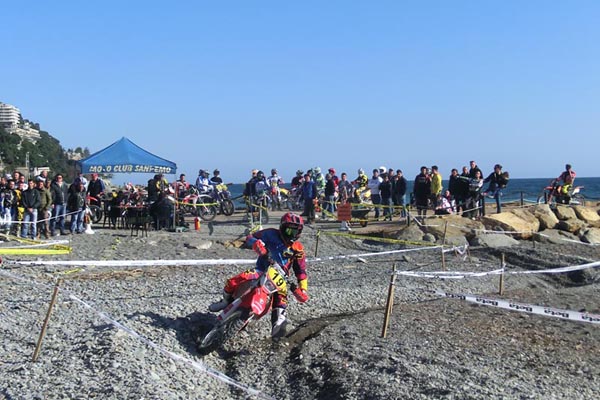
<point x="435" y="347"/>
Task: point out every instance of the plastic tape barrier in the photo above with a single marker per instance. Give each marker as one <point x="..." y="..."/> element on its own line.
<point x="30" y="250"/>
<point x="527" y="308"/>
<point x="460" y="275"/>
<point x="137" y="263"/>
<point x="197" y="365"/>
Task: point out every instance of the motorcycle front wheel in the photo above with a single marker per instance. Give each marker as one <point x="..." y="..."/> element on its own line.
<point x="227" y="207"/>
<point x="222" y="332"/>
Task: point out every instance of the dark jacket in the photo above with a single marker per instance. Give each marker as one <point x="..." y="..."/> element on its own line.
<point x="30" y="198"/>
<point x="60" y="193"/>
<point x="46" y="199"/>
<point x="422" y="186"/>
<point x="385" y="190"/>
<point x="496" y="181"/>
<point x="400" y="186"/>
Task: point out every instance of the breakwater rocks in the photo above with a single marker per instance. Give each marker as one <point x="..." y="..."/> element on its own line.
<point x="539" y="222"/>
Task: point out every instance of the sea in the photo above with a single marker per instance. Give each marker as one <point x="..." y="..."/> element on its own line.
<point x="527" y="189"/>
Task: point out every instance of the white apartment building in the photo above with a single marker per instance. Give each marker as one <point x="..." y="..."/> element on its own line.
<point x="9" y="115"/>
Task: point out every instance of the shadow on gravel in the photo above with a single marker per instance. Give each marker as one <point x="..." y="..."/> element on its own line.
<point x="187" y="329"/>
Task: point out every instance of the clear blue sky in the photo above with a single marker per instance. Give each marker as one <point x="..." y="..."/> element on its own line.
<point x="260" y="84"/>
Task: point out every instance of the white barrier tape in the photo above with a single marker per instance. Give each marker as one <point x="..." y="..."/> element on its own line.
<point x="151" y="263"/>
<point x="197" y="365"/>
<point x="455" y="274"/>
<point x="341" y="257"/>
<point x="137" y="263"/>
<point x="527" y="308"/>
<point x="558" y="270"/>
<point x="447" y="274"/>
<point x="45" y="244"/>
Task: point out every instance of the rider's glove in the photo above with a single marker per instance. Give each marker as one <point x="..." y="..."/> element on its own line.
<point x="301" y="295"/>
<point x="259" y="248"/>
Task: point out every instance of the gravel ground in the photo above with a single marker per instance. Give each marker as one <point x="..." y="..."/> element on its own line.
<point x="435" y="347"/>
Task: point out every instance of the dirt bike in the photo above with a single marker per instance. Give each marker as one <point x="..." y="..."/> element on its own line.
<point x="292" y="198"/>
<point x="222" y="196"/>
<point x="94" y="204"/>
<point x="550" y="195"/>
<point x="253" y="300"/>
<point x="258" y="208"/>
<point x="199" y="204"/>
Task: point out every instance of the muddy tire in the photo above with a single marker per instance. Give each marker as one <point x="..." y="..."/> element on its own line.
<point x="222" y="332"/>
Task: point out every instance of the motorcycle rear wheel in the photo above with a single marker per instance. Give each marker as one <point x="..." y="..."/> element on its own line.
<point x="96" y="213"/>
<point x="222" y="332"/>
<point x="578" y="199"/>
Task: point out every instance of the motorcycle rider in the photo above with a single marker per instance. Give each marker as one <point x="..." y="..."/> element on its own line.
<point x="567" y="177"/>
<point x="202" y="182"/>
<point x="297" y="180"/>
<point x="216" y="179"/>
<point x="362" y="179"/>
<point x="282" y="246"/>
<point x="274" y="182"/>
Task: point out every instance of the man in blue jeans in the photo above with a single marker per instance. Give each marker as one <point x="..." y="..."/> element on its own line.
<point x="31" y="201"/>
<point x="60" y="192"/>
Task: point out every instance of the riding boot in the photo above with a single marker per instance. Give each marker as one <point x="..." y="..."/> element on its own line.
<point x="221" y="304"/>
<point x="278" y="323"/>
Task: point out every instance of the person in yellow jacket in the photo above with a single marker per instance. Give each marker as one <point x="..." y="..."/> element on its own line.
<point x="436" y="184"/>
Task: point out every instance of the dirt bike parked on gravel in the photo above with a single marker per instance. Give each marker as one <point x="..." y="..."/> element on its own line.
<point x="222" y="196"/>
<point x="253" y="300"/>
<point x="550" y="195"/>
<point x="199" y="204"/>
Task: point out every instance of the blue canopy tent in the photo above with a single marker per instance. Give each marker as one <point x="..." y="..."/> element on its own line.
<point x="125" y="157"/>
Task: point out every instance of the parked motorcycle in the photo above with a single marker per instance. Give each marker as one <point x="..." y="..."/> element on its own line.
<point x="222" y="196"/>
<point x="199" y="204"/>
<point x="94" y="205"/>
<point x="253" y="300"/>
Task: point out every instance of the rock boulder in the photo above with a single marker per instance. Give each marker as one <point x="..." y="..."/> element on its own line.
<point x="517" y="220"/>
<point x="572" y="225"/>
<point x="493" y="240"/>
<point x="591" y="235"/>
<point x="565" y="212"/>
<point x="589" y="215"/>
<point x="544" y="214"/>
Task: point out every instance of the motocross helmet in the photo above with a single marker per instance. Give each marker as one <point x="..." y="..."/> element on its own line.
<point x="299" y="172"/>
<point x="361" y="171"/>
<point x="216" y="172"/>
<point x="291" y="226"/>
<point x="273" y="171"/>
<point x="260" y="175"/>
<point x="317" y="170"/>
<point x="332" y="171"/>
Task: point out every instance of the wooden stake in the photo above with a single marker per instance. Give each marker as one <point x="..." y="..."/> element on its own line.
<point x="501" y="284"/>
<point x="389" y="303"/>
<point x="444" y="243"/>
<point x="38" y="347"/>
<point x="317" y="243"/>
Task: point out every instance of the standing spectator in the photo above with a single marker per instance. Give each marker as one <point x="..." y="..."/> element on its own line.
<point x="474" y="169"/>
<point x="329" y="196"/>
<point x="461" y="189"/>
<point x="60" y="195"/>
<point x="76" y="204"/>
<point x="334" y="177"/>
<point x="473" y="199"/>
<point x="373" y="184"/>
<point x="345" y="189"/>
<point x="400" y="191"/>
<point x="31" y="201"/>
<point x="181" y="186"/>
<point x="95" y="189"/>
<point x="385" y="191"/>
<point x="9" y="203"/>
<point x="436" y="184"/>
<point x="422" y="191"/>
<point x="497" y="181"/>
<point x="44" y="210"/>
<point x="309" y="195"/>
